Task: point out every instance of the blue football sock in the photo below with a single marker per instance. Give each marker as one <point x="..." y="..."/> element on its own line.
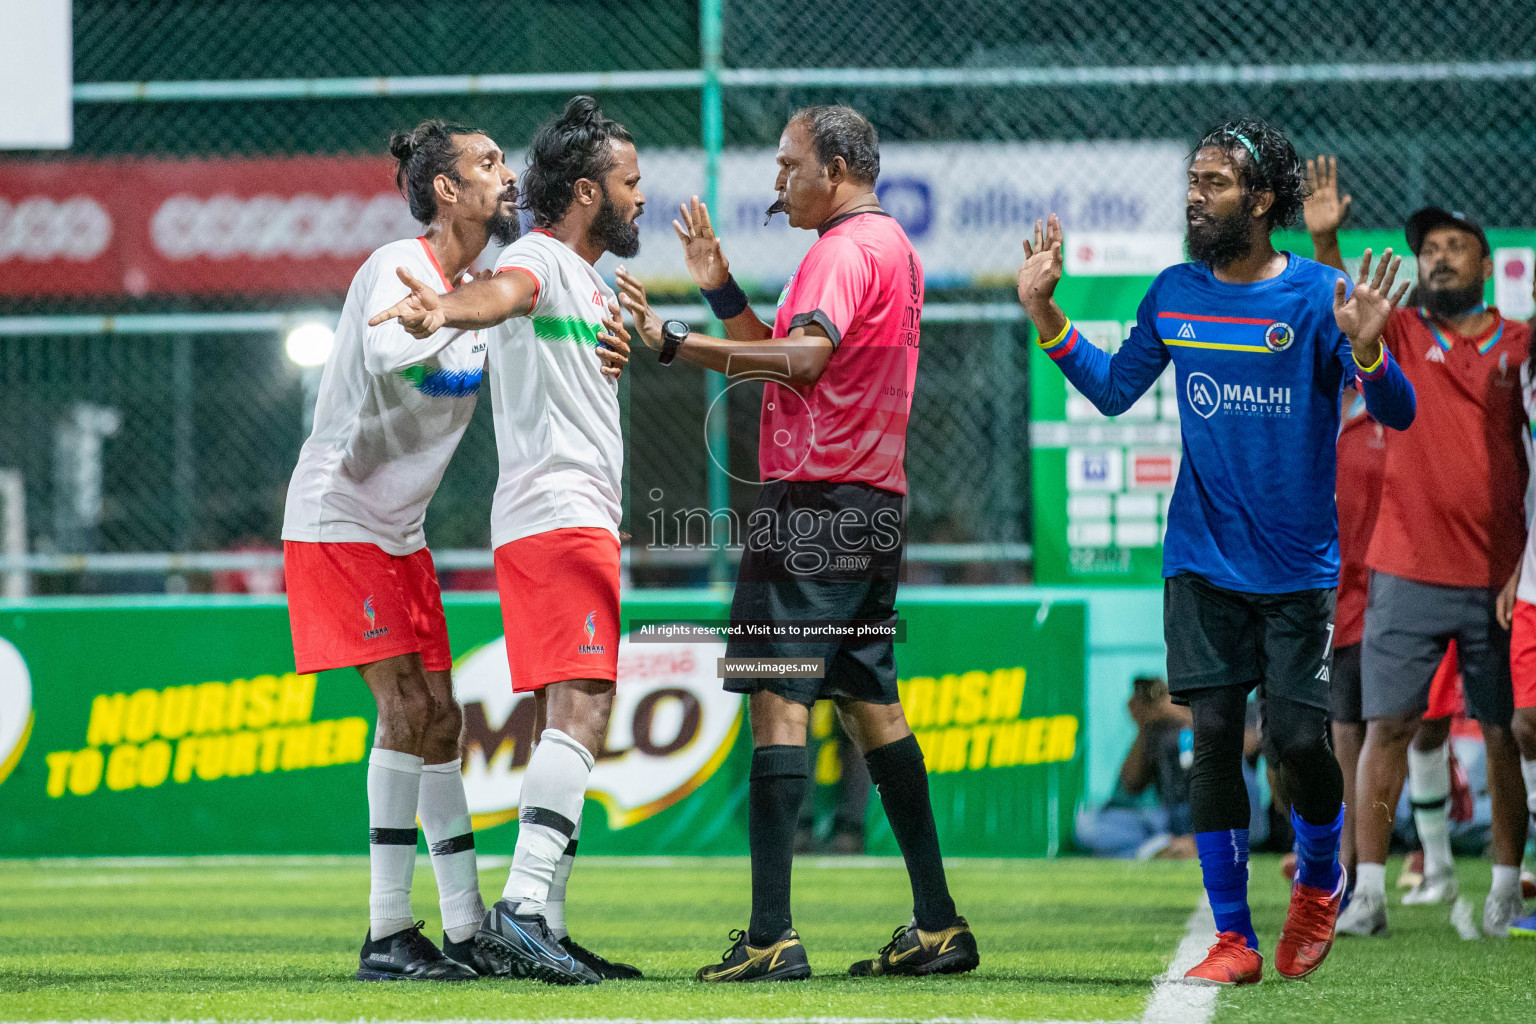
<point x="1317" y="851"/>
<point x="1224" y="866"/>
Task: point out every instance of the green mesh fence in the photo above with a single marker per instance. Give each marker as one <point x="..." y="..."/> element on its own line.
<point x="1422" y="103"/>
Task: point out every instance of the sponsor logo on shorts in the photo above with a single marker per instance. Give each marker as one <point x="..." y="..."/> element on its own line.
<point x="371" y="633"/>
<point x="1325" y="670"/>
<point x="591" y="627"/>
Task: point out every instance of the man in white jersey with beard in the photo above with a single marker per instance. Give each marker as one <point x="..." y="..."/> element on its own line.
<point x="555" y="518"/>
<point x="362" y="588"/>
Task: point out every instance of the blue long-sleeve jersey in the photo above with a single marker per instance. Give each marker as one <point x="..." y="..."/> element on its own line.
<point x="1259" y="369"/>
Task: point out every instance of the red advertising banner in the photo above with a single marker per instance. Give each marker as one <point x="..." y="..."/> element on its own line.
<point x="295" y="225"/>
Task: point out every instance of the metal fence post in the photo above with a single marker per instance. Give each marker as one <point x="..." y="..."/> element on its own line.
<point x="717" y="427"/>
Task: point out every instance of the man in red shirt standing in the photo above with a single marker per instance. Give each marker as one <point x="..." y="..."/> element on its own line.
<point x="1449" y="534"/>
<point x="823" y="546"/>
<point x="1362" y="453"/>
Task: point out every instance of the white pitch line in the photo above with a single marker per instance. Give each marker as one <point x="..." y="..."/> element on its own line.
<point x="1172" y="1001"/>
<point x="614" y="1020"/>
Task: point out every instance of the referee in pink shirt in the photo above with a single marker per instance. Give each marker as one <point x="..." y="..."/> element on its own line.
<point x="824" y="544"/>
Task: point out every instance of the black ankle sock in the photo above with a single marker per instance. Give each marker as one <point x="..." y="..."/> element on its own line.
<point x="897" y="770"/>
<point x="774" y="794"/>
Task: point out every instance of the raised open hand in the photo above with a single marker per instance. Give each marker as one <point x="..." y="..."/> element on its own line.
<point x="701" y="249"/>
<point x="632" y="298"/>
<point x="613" y="347"/>
<point x="420" y="312"/>
<point x="1323" y="211"/>
<point x="1042" y="265"/>
<point x="1363" y="315"/>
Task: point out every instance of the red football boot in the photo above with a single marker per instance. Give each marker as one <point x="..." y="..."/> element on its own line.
<point x="1229" y="962"/>
<point x="1308" y="933"/>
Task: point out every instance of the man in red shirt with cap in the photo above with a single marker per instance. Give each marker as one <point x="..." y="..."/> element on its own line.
<point x="1362" y="452"/>
<point x="1448" y="537"/>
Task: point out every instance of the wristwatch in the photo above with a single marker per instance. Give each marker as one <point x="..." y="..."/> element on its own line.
<point x="672" y="334"/>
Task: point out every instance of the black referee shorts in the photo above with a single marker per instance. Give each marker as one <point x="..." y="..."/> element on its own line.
<point x="1220" y="637"/>
<point x="825" y="553"/>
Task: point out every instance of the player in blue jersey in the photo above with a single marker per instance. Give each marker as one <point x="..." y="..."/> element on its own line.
<point x="1262" y="342"/>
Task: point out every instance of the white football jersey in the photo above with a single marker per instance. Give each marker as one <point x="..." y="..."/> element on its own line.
<point x="557" y="417"/>
<point x="390" y="413"/>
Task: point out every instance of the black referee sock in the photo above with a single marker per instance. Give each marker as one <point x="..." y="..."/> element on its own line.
<point x="897" y="770"/>
<point x="774" y="794"/>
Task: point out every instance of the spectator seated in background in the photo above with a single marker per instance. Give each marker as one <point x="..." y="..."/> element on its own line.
<point x="1160" y="761"/>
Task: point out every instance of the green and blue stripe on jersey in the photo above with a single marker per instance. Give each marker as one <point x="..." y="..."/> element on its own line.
<point x="441" y="383"/>
<point x="567" y="328"/>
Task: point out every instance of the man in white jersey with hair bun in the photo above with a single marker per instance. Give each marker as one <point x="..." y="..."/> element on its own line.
<point x="555" y="518"/>
<point x="362" y="590"/>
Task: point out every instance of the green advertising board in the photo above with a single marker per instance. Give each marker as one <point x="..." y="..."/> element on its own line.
<point x="1101" y="484"/>
<point x="180" y="727"/>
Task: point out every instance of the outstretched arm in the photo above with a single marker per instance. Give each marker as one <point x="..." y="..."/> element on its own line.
<point x="1111" y="383"/>
<point x="798" y="359"/>
<point x="711" y="271"/>
<point x="475" y="306"/>
<point x="1324" y="212"/>
<point x="387" y="346"/>
<point x="1362" y="316"/>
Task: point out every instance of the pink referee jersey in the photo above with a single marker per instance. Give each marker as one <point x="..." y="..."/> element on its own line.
<point x="863" y="284"/>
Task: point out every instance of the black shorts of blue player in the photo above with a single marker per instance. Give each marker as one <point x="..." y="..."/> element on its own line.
<point x="1280" y="643"/>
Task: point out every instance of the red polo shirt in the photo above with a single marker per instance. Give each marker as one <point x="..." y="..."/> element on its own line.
<point x="1362" y="462"/>
<point x="1453" y="497"/>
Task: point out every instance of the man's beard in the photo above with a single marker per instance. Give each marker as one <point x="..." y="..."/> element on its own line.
<point x="1449" y="303"/>
<point x="504" y="228"/>
<point x="1222" y="240"/>
<point x="615" y="234"/>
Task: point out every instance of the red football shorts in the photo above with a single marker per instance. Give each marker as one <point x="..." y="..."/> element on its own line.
<point x="560" y="606"/>
<point x="1522" y="654"/>
<point x="352" y="604"/>
<point x="1445" y="688"/>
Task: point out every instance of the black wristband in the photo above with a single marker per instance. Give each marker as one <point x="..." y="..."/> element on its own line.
<point x="727" y="301"/>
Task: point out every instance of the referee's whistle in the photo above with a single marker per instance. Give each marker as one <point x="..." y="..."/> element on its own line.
<point x="777" y="207"/>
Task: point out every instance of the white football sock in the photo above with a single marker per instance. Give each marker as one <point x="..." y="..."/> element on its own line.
<point x="1506" y="878"/>
<point x="554" y="906"/>
<point x="1528" y="769"/>
<point x="394" y="780"/>
<point x="1371" y="878"/>
<point x="1429" y="792"/>
<point x="554" y="787"/>
<point x="444" y="817"/>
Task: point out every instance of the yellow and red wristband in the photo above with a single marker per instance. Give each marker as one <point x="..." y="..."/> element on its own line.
<point x="1376" y="370"/>
<point x="1062" y="345"/>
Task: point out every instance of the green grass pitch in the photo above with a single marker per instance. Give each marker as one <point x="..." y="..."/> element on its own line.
<point x="1069" y="940"/>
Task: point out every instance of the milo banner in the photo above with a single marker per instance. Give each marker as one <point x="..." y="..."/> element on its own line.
<point x="180" y="727"/>
<point x="1101" y="484"/>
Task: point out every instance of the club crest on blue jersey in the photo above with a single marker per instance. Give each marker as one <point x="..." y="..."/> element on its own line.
<point x="1278" y="336"/>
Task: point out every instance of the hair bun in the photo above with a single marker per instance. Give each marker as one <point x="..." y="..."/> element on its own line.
<point x="581" y="110"/>
<point x="402" y="145"/>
